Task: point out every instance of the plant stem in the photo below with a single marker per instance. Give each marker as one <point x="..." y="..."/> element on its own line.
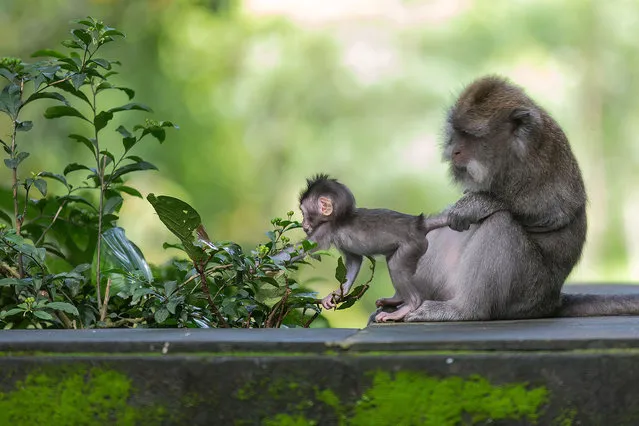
<point x="207" y="293"/>
<point x="51" y="224"/>
<point x="102" y="189"/>
<point x="16" y="207"/>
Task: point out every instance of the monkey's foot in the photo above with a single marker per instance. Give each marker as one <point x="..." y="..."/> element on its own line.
<point x="390" y="302"/>
<point x="393" y="316"/>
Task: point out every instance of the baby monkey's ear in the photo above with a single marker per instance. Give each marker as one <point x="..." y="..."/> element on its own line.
<point x="325" y="206"/>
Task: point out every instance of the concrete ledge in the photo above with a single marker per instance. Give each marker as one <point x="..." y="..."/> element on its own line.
<point x="552" y="371"/>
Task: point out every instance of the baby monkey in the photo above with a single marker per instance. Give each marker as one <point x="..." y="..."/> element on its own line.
<point x="331" y="218"/>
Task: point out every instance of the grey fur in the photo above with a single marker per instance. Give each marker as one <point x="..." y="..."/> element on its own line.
<point x="520" y="227"/>
<point x="359" y="232"/>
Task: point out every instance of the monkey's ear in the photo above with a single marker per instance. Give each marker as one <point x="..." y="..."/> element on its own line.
<point x="526" y="122"/>
<point x="524" y="117"/>
<point x="325" y="206"/>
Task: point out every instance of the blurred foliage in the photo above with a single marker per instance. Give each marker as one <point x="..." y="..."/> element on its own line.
<point x="269" y="92"/>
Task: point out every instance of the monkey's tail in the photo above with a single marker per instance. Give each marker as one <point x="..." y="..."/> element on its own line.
<point x="592" y="305"/>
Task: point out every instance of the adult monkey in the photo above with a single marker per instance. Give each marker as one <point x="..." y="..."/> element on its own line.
<point x="520" y="227"/>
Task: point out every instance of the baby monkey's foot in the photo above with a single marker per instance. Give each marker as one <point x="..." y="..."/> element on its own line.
<point x="397" y="315"/>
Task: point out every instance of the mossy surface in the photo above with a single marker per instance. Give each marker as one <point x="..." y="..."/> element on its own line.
<point x="84" y="396"/>
<point x="410" y="398"/>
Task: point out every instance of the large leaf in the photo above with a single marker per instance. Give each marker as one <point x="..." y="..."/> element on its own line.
<point x="130" y="107"/>
<point x="48" y="53"/>
<point x="10" y="99"/>
<point x="142" y="165"/>
<point x="76" y="166"/>
<point x="102" y="119"/>
<point x="64" y="307"/>
<point x="182" y="220"/>
<point x="340" y="271"/>
<point x="46" y="95"/>
<point x="55" y="176"/>
<point x="5" y="217"/>
<point x="63" y="111"/>
<point x="68" y="87"/>
<point x="89" y="143"/>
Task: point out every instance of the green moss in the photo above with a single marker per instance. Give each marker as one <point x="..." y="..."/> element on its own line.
<point x="411" y="398"/>
<point x="79" y="397"/>
<point x="288" y="420"/>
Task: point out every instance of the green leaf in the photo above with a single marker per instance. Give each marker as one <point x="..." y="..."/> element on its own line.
<point x="46" y="95"/>
<point x="142" y="165"/>
<point x="24" y="126"/>
<point x="89" y="143"/>
<point x="182" y="220"/>
<point x="63" y="111"/>
<point x="129" y="190"/>
<point x="41" y="184"/>
<point x="102" y="62"/>
<point x="130" y="107"/>
<point x="5" y="216"/>
<point x="7" y="74"/>
<point x="129" y="143"/>
<point x="74" y="167"/>
<point x="68" y="87"/>
<point x="161" y="315"/>
<point x="346" y="305"/>
<point x="173" y="304"/>
<point x="84" y="22"/>
<point x="112" y="204"/>
<point x="102" y="119"/>
<point x="77" y="199"/>
<point x="50" y="53"/>
<point x="5" y="282"/>
<point x="43" y="315"/>
<point x="64" y="307"/>
<point x="10" y="99"/>
<point x="78" y="80"/>
<point x="13" y="163"/>
<point x="169" y="287"/>
<point x="340" y="271"/>
<point x="111" y="32"/>
<point x="55" y="176"/>
<point x="72" y="44"/>
<point x="83" y="35"/>
<point x="11" y="312"/>
<point x="108" y="155"/>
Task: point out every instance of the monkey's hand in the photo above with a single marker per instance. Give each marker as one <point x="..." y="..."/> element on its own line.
<point x="331" y="300"/>
<point x="457" y="221"/>
<point x="390" y="302"/>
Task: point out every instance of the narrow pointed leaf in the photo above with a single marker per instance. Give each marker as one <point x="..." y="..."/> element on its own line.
<point x="55" y="176"/>
<point x="83" y="36"/>
<point x="142" y="165"/>
<point x="129" y="190"/>
<point x="24" y="126"/>
<point x="63" y="111"/>
<point x="46" y="95"/>
<point x="89" y="143"/>
<point x="130" y="107"/>
<point x="102" y="119"/>
<point x="74" y="167"/>
<point x="49" y="53"/>
<point x="41" y="184"/>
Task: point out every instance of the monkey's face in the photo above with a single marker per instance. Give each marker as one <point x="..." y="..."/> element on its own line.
<point x="476" y="152"/>
<point x="315" y="212"/>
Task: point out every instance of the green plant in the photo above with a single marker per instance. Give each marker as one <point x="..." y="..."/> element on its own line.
<point x="65" y="261"/>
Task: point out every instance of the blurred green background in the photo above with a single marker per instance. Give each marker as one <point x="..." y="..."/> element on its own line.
<point x="269" y="92"/>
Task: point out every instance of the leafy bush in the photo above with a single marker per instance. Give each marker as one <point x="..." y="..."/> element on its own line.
<point x="105" y="281"/>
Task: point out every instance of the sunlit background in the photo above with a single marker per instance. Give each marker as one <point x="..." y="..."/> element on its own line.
<point x="269" y="92"/>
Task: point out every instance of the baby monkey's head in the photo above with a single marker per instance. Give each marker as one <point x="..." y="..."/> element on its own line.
<point x="324" y="200"/>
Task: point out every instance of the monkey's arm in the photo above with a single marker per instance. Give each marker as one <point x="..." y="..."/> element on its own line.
<point x="353" y="265"/>
<point x="472" y="207"/>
